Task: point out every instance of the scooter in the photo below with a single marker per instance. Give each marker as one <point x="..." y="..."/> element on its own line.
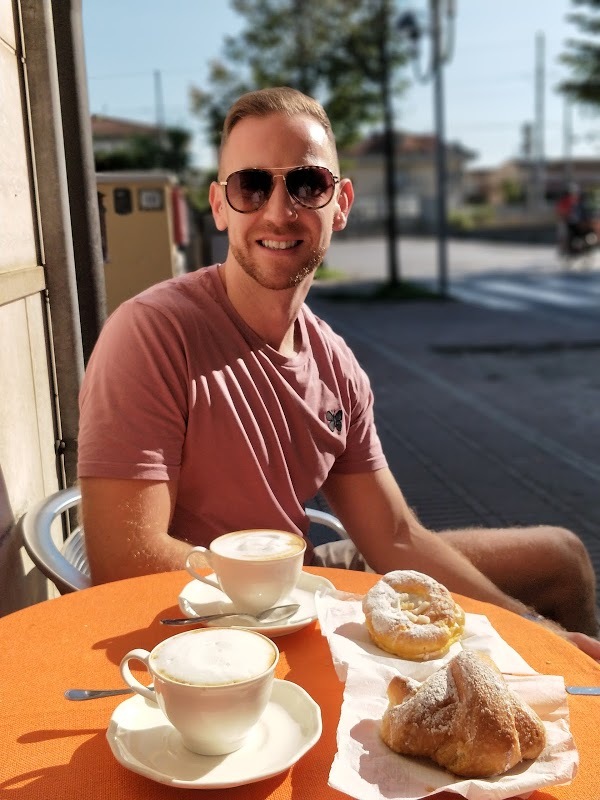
<point x="580" y="244"/>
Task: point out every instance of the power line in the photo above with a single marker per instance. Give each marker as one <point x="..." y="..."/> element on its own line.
<point x="145" y="74"/>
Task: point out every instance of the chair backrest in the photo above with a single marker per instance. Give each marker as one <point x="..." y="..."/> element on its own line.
<point x="328" y="520"/>
<point x="67" y="566"/>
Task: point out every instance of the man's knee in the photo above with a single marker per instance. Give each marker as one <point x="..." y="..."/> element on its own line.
<point x="570" y="597"/>
<point x="546" y="566"/>
<point x="572" y="557"/>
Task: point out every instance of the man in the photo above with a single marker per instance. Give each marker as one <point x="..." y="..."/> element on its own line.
<point x="577" y="229"/>
<point x="569" y="212"/>
<point x="217" y="401"/>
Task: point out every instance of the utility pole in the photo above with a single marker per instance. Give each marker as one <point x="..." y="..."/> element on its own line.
<point x="389" y="147"/>
<point x="442" y="42"/>
<point x="159" y="107"/>
<point x="568" y="139"/>
<point x="302" y="42"/>
<point x="440" y="148"/>
<point x="540" y="124"/>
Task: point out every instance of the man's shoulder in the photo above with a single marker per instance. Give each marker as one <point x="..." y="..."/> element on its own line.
<point x="171" y="305"/>
<point x="315" y="324"/>
<point x="191" y="285"/>
<point x="178" y="298"/>
<point x="321" y="331"/>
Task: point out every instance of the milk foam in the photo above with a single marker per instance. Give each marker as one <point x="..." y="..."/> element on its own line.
<point x="258" y="544"/>
<point x="213" y="657"/>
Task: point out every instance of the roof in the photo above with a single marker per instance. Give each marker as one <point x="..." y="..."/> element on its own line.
<point x="137" y="176"/>
<point x="113" y="128"/>
<point x="551" y="165"/>
<point x="406" y="144"/>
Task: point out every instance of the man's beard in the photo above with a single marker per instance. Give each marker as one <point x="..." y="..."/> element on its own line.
<point x="282" y="280"/>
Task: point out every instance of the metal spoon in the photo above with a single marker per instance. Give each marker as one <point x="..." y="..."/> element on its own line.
<point x="275" y="614"/>
<point x="94" y="694"/>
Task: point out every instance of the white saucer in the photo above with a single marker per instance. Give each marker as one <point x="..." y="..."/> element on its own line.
<point x="144" y="741"/>
<point x="203" y="599"/>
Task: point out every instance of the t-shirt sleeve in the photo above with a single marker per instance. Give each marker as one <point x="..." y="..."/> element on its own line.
<point x="363" y="451"/>
<point x="134" y="398"/>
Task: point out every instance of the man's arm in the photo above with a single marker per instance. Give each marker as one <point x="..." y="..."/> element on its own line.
<point x="126" y="524"/>
<point x="373" y="510"/>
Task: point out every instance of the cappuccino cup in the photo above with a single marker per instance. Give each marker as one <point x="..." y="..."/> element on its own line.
<point x="256" y="569"/>
<point x="212" y="684"/>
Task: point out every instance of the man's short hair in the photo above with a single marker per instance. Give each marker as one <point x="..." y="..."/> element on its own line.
<point x="276" y="100"/>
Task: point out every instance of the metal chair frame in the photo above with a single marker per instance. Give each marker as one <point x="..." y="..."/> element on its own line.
<point x="67" y="566"/>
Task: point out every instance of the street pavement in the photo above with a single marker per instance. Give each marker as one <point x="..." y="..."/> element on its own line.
<point x="489" y="413"/>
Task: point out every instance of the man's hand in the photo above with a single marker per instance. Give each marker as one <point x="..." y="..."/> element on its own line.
<point x="585" y="643"/>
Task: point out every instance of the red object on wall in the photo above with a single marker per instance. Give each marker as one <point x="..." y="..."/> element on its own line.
<point x="181" y="230"/>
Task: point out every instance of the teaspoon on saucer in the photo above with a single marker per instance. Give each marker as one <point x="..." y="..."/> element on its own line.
<point x="275" y="614"/>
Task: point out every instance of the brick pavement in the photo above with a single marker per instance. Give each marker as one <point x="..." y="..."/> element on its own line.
<point x="487" y="417"/>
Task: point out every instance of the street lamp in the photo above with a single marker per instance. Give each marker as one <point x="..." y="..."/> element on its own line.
<point x="442" y="44"/>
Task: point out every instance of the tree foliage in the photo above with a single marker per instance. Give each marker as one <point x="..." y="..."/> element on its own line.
<point x="340" y="51"/>
<point x="169" y="151"/>
<point x="582" y="55"/>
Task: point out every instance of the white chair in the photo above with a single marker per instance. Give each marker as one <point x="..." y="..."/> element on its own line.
<point x="67" y="566"/>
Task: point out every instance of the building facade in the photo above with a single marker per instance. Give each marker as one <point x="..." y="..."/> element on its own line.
<point x="415" y="180"/>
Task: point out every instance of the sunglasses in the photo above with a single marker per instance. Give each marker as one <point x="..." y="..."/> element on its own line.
<point x="247" y="190"/>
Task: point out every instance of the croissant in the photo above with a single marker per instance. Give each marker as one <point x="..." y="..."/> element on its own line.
<point x="464" y="717"/>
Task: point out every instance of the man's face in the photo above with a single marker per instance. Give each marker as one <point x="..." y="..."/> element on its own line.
<point x="283" y="242"/>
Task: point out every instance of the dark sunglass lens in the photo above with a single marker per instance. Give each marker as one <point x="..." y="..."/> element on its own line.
<point x="249" y="189"/>
<point x="311" y="186"/>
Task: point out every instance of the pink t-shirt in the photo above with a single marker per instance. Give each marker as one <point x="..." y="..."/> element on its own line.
<point x="180" y="388"/>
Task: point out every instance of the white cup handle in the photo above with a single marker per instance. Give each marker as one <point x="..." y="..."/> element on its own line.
<point x="143" y="656"/>
<point x="189" y="565"/>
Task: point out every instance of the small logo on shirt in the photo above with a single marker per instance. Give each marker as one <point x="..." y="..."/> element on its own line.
<point x="334" y="420"/>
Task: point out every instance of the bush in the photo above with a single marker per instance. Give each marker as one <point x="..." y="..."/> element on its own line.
<point x="468" y="218"/>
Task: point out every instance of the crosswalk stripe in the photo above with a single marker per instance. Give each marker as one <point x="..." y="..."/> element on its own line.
<point x="485" y="299"/>
<point x="538" y="293"/>
<point x="530" y="292"/>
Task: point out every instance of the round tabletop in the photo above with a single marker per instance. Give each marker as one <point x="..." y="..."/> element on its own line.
<point x="53" y="748"/>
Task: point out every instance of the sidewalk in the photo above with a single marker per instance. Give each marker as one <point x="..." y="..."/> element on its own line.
<point x="488" y="418"/>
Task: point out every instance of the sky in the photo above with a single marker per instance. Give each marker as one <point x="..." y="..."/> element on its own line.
<point x="131" y="46"/>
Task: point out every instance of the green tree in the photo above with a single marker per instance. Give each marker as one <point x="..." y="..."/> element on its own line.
<point x="331" y="49"/>
<point x="343" y="52"/>
<point x="513" y="191"/>
<point x="582" y="55"/>
<point x="169" y="151"/>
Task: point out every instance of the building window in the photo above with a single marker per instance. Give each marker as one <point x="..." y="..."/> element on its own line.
<point x="151" y="199"/>
<point x="122" y="201"/>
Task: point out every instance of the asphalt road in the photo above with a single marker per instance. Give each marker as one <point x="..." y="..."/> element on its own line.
<point x="367" y="258"/>
<point x="526" y="278"/>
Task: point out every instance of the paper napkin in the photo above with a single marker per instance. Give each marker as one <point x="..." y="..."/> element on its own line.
<point x="365" y="768"/>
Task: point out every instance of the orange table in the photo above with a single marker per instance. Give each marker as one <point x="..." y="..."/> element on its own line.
<point x="54" y="749"/>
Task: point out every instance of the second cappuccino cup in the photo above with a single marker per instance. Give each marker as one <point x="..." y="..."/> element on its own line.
<point x="212" y="684"/>
<point x="256" y="569"/>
